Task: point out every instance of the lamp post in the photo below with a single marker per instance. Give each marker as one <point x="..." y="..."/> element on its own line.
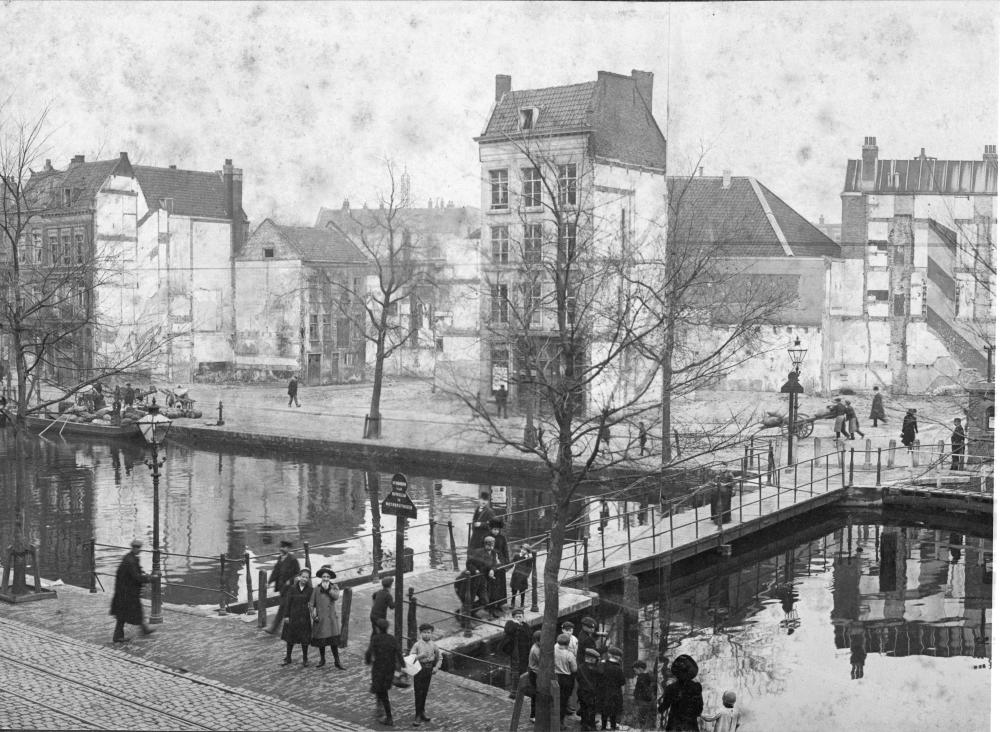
<point x="154" y="427"/>
<point x="796" y="352"/>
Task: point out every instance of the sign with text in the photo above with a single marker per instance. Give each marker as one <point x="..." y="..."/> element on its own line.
<point x="398" y="502"/>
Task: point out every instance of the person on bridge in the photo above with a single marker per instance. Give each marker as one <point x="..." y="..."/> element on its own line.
<point x="286" y="569"/>
<point x="467" y="590"/>
<point x="126" y="605"/>
<point x="384" y="656"/>
<point x="878" y="409"/>
<point x="296" y="623"/>
<point x="326" y="619"/>
<point x="910" y="430"/>
<point x="481" y="518"/>
<point x="957" y="445"/>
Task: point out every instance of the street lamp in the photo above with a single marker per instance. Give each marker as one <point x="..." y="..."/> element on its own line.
<point x="154" y="427"/>
<point x="796" y="352"/>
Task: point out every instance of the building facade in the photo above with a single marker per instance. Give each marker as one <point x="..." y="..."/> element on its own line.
<point x="914" y="304"/>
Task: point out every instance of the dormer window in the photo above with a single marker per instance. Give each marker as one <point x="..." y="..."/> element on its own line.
<point x="527" y="118"/>
<point x="67" y="196"/>
<point x="268" y="252"/>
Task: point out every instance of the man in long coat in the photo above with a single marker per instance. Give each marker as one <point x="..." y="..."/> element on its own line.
<point x="286" y="569"/>
<point x="481" y="518"/>
<point x="126" y="605"/>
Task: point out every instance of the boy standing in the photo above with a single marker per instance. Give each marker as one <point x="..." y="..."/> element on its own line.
<point x="534" y="661"/>
<point x="382" y="603"/>
<point x="518" y="638"/>
<point x="429" y="657"/>
<point x="644" y="697"/>
<point x="610" y="692"/>
<point x="565" y="667"/>
<point x="523" y="566"/>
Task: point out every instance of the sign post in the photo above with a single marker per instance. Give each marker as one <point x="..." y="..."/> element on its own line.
<point x="398" y="504"/>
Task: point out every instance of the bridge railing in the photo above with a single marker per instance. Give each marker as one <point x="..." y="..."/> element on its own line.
<point x="900" y="462"/>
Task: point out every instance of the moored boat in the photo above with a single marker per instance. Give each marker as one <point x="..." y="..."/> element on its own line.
<point x="62" y="426"/>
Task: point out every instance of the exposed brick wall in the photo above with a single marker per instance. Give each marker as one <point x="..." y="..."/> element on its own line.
<point x="624" y="129"/>
<point x="854" y="226"/>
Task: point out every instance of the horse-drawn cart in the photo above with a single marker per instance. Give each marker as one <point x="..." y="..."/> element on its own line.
<point x="803" y="426"/>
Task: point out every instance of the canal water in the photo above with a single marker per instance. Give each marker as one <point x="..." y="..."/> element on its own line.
<point x="870" y="621"/>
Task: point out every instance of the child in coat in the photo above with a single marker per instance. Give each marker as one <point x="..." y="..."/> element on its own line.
<point x="610" y="685"/>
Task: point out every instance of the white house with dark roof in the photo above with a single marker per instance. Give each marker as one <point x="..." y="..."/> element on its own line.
<point x="289" y="312"/>
<point x="173" y="233"/>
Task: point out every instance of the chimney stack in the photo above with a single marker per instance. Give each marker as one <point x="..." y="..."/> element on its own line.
<point x="346" y="205"/>
<point x="869" y="164"/>
<point x="502" y="86"/>
<point x="990" y="154"/>
<point x="48" y="165"/>
<point x="172" y="167"/>
<point x="701" y="171"/>
<point x="727" y="179"/>
<point x="232" y="179"/>
<point x="77" y="159"/>
<point x="644" y="83"/>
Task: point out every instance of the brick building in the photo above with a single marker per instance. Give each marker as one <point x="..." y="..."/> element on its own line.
<point x="914" y="306"/>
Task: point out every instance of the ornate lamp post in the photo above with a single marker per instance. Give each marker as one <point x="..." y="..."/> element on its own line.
<point x="796" y="352"/>
<point x="154" y="427"/>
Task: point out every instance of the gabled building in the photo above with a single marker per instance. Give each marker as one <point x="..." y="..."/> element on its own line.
<point x="592" y="151"/>
<point x="293" y="284"/>
<point x="759" y="237"/>
<point x="917" y="308"/>
<point x="163" y="240"/>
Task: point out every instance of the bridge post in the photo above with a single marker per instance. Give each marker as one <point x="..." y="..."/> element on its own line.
<point x="812" y="470"/>
<point x="261" y="598"/>
<point x="817" y="450"/>
<point x="878" y="468"/>
<point x="586" y="561"/>
<point x="628" y="534"/>
<point x="249" y="578"/>
<point x="915" y="454"/>
<point x="843" y="465"/>
<point x="940" y="459"/>
<point x="795" y="484"/>
<point x="850" y="481"/>
<point x="868" y="453"/>
<point x="671" y="527"/>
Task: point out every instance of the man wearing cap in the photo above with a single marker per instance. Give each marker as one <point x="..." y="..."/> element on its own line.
<point x="565" y="667"/>
<point x="517" y="635"/>
<point x="286" y="569"/>
<point x="486" y="562"/>
<point x="126" y="605"/>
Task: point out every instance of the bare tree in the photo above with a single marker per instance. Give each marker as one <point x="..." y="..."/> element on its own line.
<point x="402" y="275"/>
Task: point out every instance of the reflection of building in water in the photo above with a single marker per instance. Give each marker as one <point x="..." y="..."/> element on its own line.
<point x="915" y="591"/>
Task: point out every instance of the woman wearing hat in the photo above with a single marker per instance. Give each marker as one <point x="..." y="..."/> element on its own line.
<point x="297" y="624"/>
<point x="682" y="701"/>
<point x="326" y="623"/>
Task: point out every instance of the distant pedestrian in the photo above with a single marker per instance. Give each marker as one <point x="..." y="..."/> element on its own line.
<point x="643" y="698"/>
<point x="682" y="701"/>
<point x="325" y="615"/>
<point x="129" y="395"/>
<point x="909" y="434"/>
<point x="878" y="410"/>
<point x="517" y="638"/>
<point x="480" y="525"/>
<point x="605" y="516"/>
<point x="286" y="569"/>
<point x="858" y="656"/>
<point x="852" y="420"/>
<point x="429" y="657"/>
<point x="382" y="603"/>
<point x="610" y="698"/>
<point x="296" y="623"/>
<point x="498" y="588"/>
<point x="643" y="436"/>
<point x="565" y="667"/>
<point x="501" y="398"/>
<point x="521" y="573"/>
<point x="725" y="720"/>
<point x="839" y="412"/>
<point x="293" y="391"/>
<point x="385" y="658"/>
<point x="957" y="445"/>
<point x="126" y="605"/>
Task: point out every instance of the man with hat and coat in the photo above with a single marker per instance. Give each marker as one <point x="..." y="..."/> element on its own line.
<point x="481" y="518"/>
<point x="296" y="623"/>
<point x="286" y="569"/>
<point x="126" y="605"/>
<point x="682" y="701"/>
<point x="498" y="588"/>
<point x="326" y="619"/>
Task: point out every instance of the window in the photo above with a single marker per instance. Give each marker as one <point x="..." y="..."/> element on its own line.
<point x="878" y="253"/>
<point x="327" y="328"/>
<point x="878" y="296"/>
<point x="567" y="184"/>
<point x="499" y="304"/>
<point x="36" y="246"/>
<point x="527" y="117"/>
<point x="498" y="189"/>
<point x="343" y="334"/>
<point x="533" y="243"/>
<point x="78" y="245"/>
<point x="53" y="237"/>
<point x="500" y="240"/>
<point x="67" y="196"/>
<point x="533" y="302"/>
<point x="567" y="242"/>
<point x="66" y="237"/>
<point x="350" y="359"/>
<point x="268" y="252"/>
<point x="439" y="345"/>
<point x="314" y="327"/>
<point x="531" y="188"/>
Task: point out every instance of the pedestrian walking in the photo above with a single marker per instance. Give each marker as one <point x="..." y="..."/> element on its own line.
<point x="501" y="398"/>
<point x="384" y="656"/>
<point x="517" y="640"/>
<point x="643" y="436"/>
<point x="429" y="657"/>
<point x="851" y="418"/>
<point x="610" y="697"/>
<point x="285" y="570"/>
<point x="382" y="603"/>
<point x="293" y="391"/>
<point x="909" y="434"/>
<point x="957" y="445"/>
<point x="129" y="395"/>
<point x="565" y="667"/>
<point x="605" y="516"/>
<point x="682" y="701"/>
<point x="326" y="619"/>
<point x="878" y="409"/>
<point x="126" y="605"/>
<point x="296" y="622"/>
<point x="520" y="573"/>
<point x="643" y="714"/>
<point x="498" y="588"/>
<point x="839" y="412"/>
<point x="480" y="527"/>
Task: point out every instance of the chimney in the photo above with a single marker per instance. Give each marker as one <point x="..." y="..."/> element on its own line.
<point x="822" y="220"/>
<point x="727" y="179"/>
<point x="430" y="203"/>
<point x="172" y="167"/>
<point x="990" y="154"/>
<point x="48" y="165"/>
<point x="502" y="86"/>
<point x="232" y="203"/>
<point x="77" y="159"/>
<point x="227" y="183"/>
<point x="346" y="205"/>
<point x="869" y="164"/>
<point x="123" y="156"/>
<point x="644" y="83"/>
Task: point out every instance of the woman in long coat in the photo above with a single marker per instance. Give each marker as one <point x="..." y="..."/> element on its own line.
<point x="326" y="622"/>
<point x="297" y="624"/>
<point x="385" y="657"/>
<point x="909" y="435"/>
<point x="878" y="410"/>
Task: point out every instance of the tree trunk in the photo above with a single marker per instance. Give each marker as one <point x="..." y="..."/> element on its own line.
<point x="666" y="369"/>
<point x="374" y="420"/>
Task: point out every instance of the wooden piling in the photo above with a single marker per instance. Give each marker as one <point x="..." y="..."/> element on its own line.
<point x="262" y="598"/>
<point x="345" y="615"/>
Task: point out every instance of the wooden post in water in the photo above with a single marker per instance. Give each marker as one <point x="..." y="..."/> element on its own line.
<point x="246" y="566"/>
<point x="345" y="614"/>
<point x="261" y="598"/>
<point x="890" y="459"/>
<point x="915" y="453"/>
<point x="222" y="584"/>
<point x="93" y="565"/>
<point x="878" y="468"/>
<point x="817" y="449"/>
<point x="411" y="617"/>
<point x="451" y="541"/>
<point x="850" y="481"/>
<point x="628" y="534"/>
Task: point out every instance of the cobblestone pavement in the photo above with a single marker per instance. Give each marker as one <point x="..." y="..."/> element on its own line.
<point x="228" y="659"/>
<point x="49" y="681"/>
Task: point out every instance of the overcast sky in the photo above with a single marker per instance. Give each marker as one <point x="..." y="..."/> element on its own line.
<point x="309" y="98"/>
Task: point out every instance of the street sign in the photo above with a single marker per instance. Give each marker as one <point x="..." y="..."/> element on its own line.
<point x="398" y="503"/>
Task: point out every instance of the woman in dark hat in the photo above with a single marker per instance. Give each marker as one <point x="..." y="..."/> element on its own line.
<point x="326" y="620"/>
<point x="682" y="701"/>
<point x="909" y="435"/>
<point x="498" y="588"/>
<point x="385" y="658"/>
<point x="297" y="626"/>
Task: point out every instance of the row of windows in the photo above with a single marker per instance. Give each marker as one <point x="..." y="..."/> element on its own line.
<point x="320" y="329"/>
<point x="531" y="296"/>
<point x="531" y="187"/>
<point x="61" y="246"/>
<point x="531" y="243"/>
